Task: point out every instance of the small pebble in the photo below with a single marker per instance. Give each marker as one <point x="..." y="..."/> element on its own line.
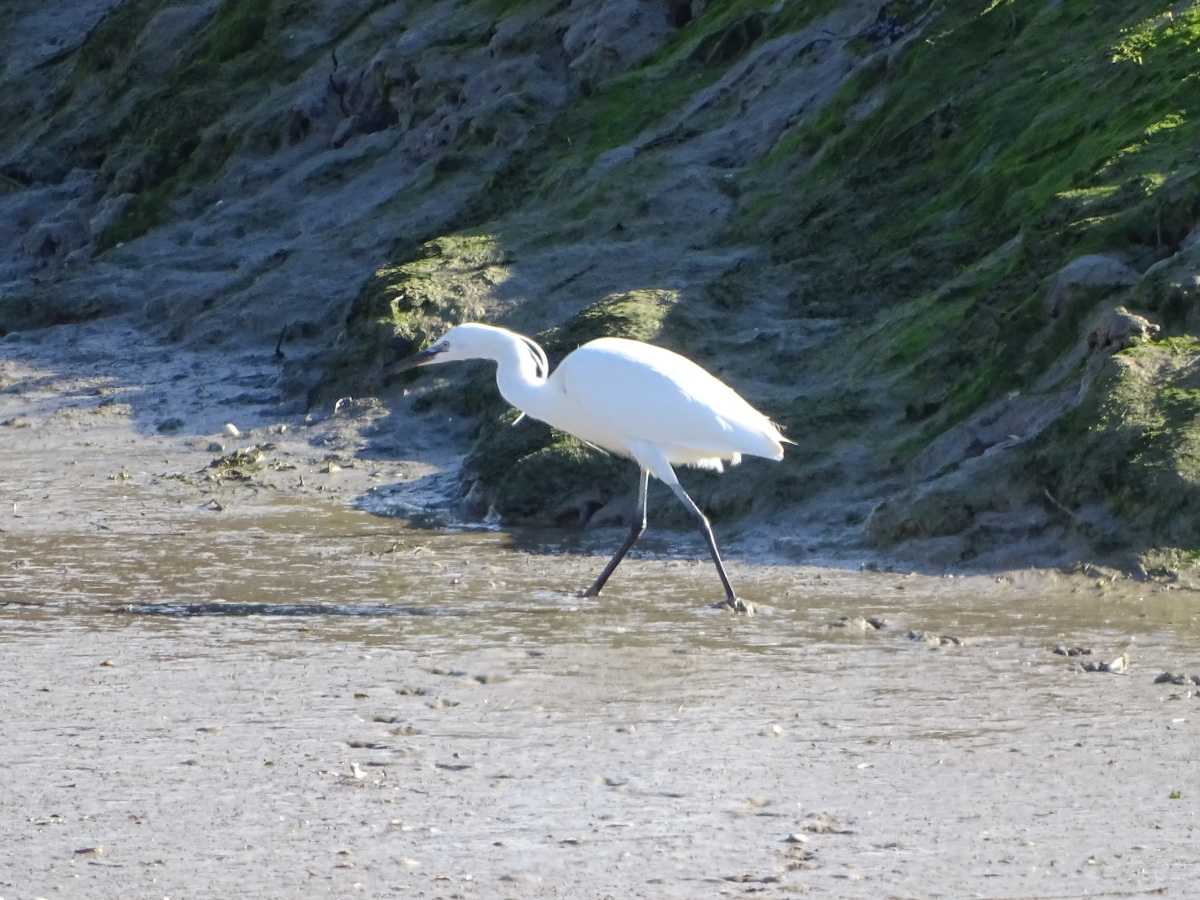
<point x="936" y="640"/>
<point x="1073" y="651"/>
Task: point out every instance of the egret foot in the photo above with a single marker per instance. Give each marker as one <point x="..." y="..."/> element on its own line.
<point x="737" y="605"/>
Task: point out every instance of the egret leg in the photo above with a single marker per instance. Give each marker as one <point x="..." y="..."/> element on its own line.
<point x="635" y="531"/>
<point x="731" y="599"/>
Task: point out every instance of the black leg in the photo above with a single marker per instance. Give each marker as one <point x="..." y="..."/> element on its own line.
<point x="635" y="531"/>
<point x="731" y="599"/>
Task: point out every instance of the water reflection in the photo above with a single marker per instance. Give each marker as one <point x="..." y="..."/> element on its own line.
<point x="315" y="562"/>
<point x="287" y="610"/>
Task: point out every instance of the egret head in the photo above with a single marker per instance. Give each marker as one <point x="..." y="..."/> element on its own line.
<point x="461" y="342"/>
<point x="474" y="341"/>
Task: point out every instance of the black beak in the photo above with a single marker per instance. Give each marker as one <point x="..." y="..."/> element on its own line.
<point x="410" y="362"/>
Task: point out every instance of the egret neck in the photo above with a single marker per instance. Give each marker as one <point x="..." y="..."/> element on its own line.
<point x="521" y="376"/>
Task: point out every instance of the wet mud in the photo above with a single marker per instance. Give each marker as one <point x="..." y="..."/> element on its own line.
<point x="252" y="689"/>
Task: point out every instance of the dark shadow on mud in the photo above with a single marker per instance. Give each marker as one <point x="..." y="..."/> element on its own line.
<point x="283" y="610"/>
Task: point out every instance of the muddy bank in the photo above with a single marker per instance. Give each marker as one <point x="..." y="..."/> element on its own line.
<point x="221" y="685"/>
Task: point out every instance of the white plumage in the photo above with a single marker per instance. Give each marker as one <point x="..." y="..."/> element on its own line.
<point x="631" y="398"/>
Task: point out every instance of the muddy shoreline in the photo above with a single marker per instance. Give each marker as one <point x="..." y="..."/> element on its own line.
<point x="219" y="685"/>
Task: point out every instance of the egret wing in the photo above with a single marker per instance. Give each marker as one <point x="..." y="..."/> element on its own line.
<point x="621" y="391"/>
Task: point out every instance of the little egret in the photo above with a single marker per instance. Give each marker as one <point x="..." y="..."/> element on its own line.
<point x="629" y="398"/>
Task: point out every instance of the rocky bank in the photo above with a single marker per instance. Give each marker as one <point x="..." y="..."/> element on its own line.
<point x="952" y="250"/>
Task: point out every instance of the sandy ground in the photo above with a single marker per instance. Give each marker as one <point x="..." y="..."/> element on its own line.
<point x="230" y="681"/>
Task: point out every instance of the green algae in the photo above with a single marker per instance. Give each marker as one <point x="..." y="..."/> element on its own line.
<point x="407" y="304"/>
<point x="238" y="26"/>
<point x="616" y="111"/>
<point x="997" y="124"/>
<point x="983" y="133"/>
<point x="637" y="315"/>
<point x="165" y="136"/>
<point x="1133" y="445"/>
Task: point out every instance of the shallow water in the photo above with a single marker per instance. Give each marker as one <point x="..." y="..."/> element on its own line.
<point x="295" y="698"/>
<point x="288" y="559"/>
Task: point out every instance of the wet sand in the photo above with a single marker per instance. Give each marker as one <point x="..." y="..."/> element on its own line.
<point x="219" y="687"/>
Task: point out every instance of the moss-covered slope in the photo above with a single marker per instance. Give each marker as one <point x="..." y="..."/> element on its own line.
<point x="915" y="233"/>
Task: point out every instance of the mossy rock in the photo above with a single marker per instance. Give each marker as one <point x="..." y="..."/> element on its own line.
<point x="1169" y="562"/>
<point x="728" y="44"/>
<point x="562" y="483"/>
<point x="162" y="137"/>
<point x="1134" y="445"/>
<point x="637" y="315"/>
<point x="931" y="514"/>
<point x="971" y="167"/>
<point x="1171" y="290"/>
<point x="408" y="303"/>
<point x="238" y="27"/>
<point x="445" y="282"/>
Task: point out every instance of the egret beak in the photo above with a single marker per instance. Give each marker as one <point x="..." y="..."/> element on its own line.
<point x="411" y="362"/>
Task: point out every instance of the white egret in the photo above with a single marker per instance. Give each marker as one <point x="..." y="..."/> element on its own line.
<point x="629" y="398"/>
